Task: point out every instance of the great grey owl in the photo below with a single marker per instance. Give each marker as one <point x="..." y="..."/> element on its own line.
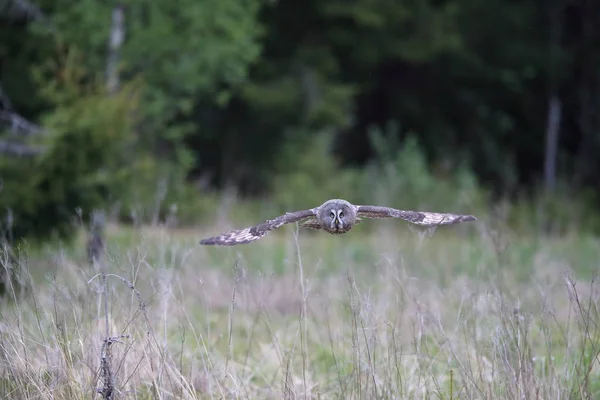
<point x="335" y="216"/>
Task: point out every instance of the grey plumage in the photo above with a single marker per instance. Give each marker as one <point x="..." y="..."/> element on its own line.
<point x="335" y="216"/>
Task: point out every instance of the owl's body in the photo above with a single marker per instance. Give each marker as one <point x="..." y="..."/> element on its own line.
<point x="335" y="216"/>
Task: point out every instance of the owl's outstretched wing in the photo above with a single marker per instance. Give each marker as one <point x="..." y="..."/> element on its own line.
<point x="312" y="223"/>
<point x="416" y="217"/>
<point x="256" y="232"/>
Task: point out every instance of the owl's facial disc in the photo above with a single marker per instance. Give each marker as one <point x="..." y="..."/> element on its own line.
<point x="336" y="219"/>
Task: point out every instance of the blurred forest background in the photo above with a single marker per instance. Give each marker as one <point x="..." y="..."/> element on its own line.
<point x="156" y="109"/>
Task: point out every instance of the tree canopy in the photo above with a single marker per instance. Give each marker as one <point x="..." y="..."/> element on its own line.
<point x="106" y="104"/>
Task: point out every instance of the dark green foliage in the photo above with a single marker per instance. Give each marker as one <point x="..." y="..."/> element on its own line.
<point x="89" y="133"/>
<point x="124" y="152"/>
<point x="278" y="97"/>
<point x="398" y="177"/>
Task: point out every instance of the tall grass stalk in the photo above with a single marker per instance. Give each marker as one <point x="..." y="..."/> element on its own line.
<point x="381" y="316"/>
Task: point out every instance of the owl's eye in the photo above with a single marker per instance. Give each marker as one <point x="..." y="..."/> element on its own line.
<point x="341" y="214"/>
<point x="332" y="214"/>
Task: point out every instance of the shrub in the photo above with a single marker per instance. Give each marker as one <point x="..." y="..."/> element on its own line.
<point x="398" y="176"/>
<point x="87" y="151"/>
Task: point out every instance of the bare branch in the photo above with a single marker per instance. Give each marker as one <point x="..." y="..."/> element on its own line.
<point x="15" y="9"/>
<point x="19" y="125"/>
<point x="21" y="9"/>
<point x="18" y="149"/>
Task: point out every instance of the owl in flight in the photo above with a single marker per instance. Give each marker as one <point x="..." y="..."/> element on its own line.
<point x="336" y="217"/>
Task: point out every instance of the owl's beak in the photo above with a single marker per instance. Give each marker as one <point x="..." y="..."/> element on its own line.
<point x="336" y="223"/>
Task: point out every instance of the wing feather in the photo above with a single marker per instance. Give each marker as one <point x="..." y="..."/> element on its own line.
<point x="312" y="223"/>
<point x="250" y="234"/>
<point x="416" y="217"/>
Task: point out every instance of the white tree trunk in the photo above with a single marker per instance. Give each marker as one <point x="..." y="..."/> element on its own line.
<point x="117" y="35"/>
<point x="552" y="134"/>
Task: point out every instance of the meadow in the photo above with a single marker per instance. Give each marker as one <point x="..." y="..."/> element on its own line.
<point x="384" y="312"/>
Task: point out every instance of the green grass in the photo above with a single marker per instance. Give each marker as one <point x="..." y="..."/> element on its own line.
<point x="381" y="312"/>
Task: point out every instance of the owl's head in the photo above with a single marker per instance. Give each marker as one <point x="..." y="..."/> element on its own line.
<point x="337" y="216"/>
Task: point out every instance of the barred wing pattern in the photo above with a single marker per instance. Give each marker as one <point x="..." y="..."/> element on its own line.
<point x="247" y="235"/>
<point x="416" y="217"/>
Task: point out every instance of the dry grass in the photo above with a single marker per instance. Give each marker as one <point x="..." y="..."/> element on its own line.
<point x="460" y="315"/>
